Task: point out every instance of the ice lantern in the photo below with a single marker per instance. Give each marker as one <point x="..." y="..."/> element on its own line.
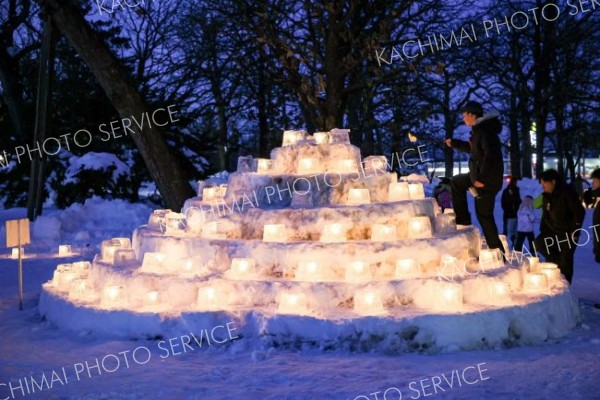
<point x="358" y="272"/>
<point x="291" y="302"/>
<point x="499" y="293"/>
<point x="292" y="137"/>
<point x="407" y="268"/>
<point x="358" y="196"/>
<point x="263" y="165"/>
<point x="242" y="268"/>
<point x="308" y="166"/>
<point x="112" y="296"/>
<point x="334" y="233"/>
<point x="64" y="250"/>
<point x="274" y="233"/>
<point x="368" y="302"/>
<point x="419" y="227"/>
<point x="175" y="223"/>
<point x="152" y="298"/>
<point x="346" y="166"/>
<point x="154" y="263"/>
<point x="309" y="271"/>
<point x="416" y="191"/>
<point x="383" y="232"/>
<point x="450" y="297"/>
<point x="552" y="273"/>
<point x="211" y="298"/>
<point x="490" y="258"/>
<point x="321" y="137"/>
<point x="15" y="252"/>
<point x="533" y="263"/>
<point x="398" y="191"/>
<point x="535" y="283"/>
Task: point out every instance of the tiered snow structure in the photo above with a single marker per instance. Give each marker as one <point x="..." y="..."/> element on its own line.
<point x="313" y="247"/>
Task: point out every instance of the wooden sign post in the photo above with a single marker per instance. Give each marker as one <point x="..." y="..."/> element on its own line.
<point x="17" y="235"/>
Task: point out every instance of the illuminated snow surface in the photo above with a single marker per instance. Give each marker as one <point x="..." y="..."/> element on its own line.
<point x="563" y="368"/>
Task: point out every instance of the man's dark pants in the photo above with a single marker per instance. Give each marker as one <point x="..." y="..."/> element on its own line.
<point x="484" y="209"/>
<point x="558" y="250"/>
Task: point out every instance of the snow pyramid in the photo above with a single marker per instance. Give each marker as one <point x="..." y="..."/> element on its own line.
<point x="313" y="247"/>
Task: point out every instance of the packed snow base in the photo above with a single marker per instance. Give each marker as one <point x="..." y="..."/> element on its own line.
<point x="402" y="277"/>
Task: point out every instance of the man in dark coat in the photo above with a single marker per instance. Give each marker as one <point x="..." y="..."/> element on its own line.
<point x="560" y="228"/>
<point x="511" y="200"/>
<point x="486" y="170"/>
<point x="596" y="217"/>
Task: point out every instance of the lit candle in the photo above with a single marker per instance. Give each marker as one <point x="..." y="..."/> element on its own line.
<point x="535" y="283"/>
<point x="333" y="233"/>
<point x="398" y="191"/>
<point x="383" y="232"/>
<point x="358" y="196"/>
<point x="152" y="298"/>
<point x="368" y="302"/>
<point x="292" y="137"/>
<point x="64" y="250"/>
<point x="419" y="228"/>
<point x="533" y="262"/>
<point x="209" y="193"/>
<point x="552" y="274"/>
<point x="450" y="297"/>
<point x="111" y="296"/>
<point x="188" y="266"/>
<point x="309" y="271"/>
<point x="15" y="252"/>
<point x="242" y="268"/>
<point x="263" y="165"/>
<point x="210" y="230"/>
<point x="293" y="303"/>
<point x="489" y="257"/>
<point x="499" y="293"/>
<point x="153" y="263"/>
<point x="321" y="137"/>
<point x="274" y="233"/>
<point x="407" y="268"/>
<point x="358" y="272"/>
<point x="308" y="166"/>
<point x="347" y="165"/>
<point x="416" y="191"/>
<point x="209" y="298"/>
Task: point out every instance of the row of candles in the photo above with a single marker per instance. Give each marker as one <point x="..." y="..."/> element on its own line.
<point x="397" y="191"/>
<point x="64" y="250"/>
<point x="72" y="278"/>
<point x="418" y="228"/>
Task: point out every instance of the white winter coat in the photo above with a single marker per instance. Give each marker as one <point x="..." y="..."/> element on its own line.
<point x="525" y="219"/>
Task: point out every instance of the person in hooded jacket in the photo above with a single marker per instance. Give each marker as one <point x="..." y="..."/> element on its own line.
<point x="561" y="222"/>
<point x="486" y="171"/>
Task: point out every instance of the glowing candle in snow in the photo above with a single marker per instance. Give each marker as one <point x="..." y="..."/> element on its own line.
<point x="64" y="250"/>
<point x="153" y="262"/>
<point x="347" y="165"/>
<point x="358" y="272"/>
<point x="152" y="298"/>
<point x="416" y="191"/>
<point x="533" y="263"/>
<point x="398" y="191"/>
<point x="552" y="274"/>
<point x="242" y="268"/>
<point x="321" y="137"/>
<point x="308" y="166"/>
<point x="188" y="266"/>
<point x="383" y="232"/>
<point x="450" y="297"/>
<point x="358" y="196"/>
<point x="368" y="302"/>
<point x="209" y="298"/>
<point x="333" y="233"/>
<point x="407" y="268"/>
<point x="535" y="283"/>
<point x="210" y="193"/>
<point x="65" y="279"/>
<point x="274" y="233"/>
<point x="293" y="303"/>
<point x="499" y="292"/>
<point x="15" y="252"/>
<point x="292" y="137"/>
<point x="112" y="295"/>
<point x="263" y="165"/>
<point x="490" y="257"/>
<point x="309" y="271"/>
<point x="419" y="228"/>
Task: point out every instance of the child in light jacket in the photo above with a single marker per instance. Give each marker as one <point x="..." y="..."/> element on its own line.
<point x="525" y="220"/>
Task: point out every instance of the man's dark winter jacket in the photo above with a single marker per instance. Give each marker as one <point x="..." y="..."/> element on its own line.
<point x="596" y="221"/>
<point x="486" y="164"/>
<point x="511" y="200"/>
<point x="562" y="211"/>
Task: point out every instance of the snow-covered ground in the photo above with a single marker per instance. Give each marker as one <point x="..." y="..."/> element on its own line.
<point x="564" y="369"/>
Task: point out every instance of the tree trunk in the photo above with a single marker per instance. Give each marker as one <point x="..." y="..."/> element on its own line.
<point x="163" y="166"/>
<point x="515" y="151"/>
<point x="448" y="128"/>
